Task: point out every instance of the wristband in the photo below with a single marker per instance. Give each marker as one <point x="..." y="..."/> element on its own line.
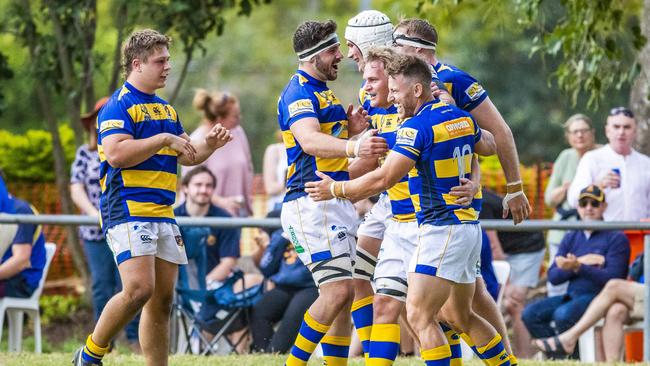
<point x="351" y="149"/>
<point x="338" y="190"/>
<point x="332" y="189"/>
<point x="357" y="146"/>
<point x="515" y="187"/>
<point x="343" y="189"/>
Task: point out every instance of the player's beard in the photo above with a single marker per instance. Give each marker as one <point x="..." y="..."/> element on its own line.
<point x="408" y="107"/>
<point x="326" y="70"/>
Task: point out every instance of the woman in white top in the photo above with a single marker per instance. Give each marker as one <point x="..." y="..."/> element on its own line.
<point x="275" y="173"/>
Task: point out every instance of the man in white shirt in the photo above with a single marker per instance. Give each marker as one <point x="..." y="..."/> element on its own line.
<point x="622" y="172"/>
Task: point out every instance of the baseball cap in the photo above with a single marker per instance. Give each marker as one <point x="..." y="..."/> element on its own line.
<point x="592" y="191"/>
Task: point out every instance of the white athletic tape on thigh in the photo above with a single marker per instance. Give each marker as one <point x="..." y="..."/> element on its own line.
<point x="334" y="269"/>
<point x="394" y="287"/>
<point x="364" y="267"/>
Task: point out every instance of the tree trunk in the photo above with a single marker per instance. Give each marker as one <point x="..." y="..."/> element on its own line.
<point x="88" y="30"/>
<point x="640" y="92"/>
<point x="181" y="79"/>
<point x="117" y="53"/>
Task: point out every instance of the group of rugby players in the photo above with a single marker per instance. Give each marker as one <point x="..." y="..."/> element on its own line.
<point x="421" y="241"/>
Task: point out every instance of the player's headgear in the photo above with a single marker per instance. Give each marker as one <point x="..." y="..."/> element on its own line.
<point x="369" y="28"/>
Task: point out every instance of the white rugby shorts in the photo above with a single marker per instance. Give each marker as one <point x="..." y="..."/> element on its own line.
<point x="400" y="242"/>
<point x="375" y="221"/>
<point x="135" y="239"/>
<point x="451" y="252"/>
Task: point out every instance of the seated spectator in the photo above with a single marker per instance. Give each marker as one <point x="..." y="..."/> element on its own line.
<point x="292" y="294"/>
<point x="7" y="231"/>
<point x="587" y="260"/>
<point x="524" y="251"/>
<point x="618" y="169"/>
<point x="620" y="302"/>
<point x="23" y="260"/>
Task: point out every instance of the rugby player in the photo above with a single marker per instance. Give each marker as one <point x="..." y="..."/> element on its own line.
<point x="418" y="37"/>
<point x="440" y="142"/>
<point x="315" y="129"/>
<point x="140" y="141"/>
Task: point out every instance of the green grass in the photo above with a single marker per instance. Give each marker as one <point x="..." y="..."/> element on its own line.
<point x="23" y="359"/>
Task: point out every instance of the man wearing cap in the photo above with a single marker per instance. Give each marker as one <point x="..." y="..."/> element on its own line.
<point x="586" y="259"/>
<point x="315" y="129"/>
<point x="622" y="172"/>
<point x="85" y="191"/>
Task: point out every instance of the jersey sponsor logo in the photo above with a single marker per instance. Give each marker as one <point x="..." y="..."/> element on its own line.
<point x="458" y="128"/>
<point x="300" y="106"/>
<point x="406" y="136"/>
<point x="474" y="91"/>
<point x="110" y="124"/>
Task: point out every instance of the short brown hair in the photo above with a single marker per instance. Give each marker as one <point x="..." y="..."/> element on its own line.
<point x="384" y="55"/>
<point x="411" y="67"/>
<point x="187" y="178"/>
<point x="141" y="44"/>
<point x="309" y="33"/>
<point x="419" y="28"/>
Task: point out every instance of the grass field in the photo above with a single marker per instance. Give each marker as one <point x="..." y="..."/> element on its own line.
<point x="60" y="359"/>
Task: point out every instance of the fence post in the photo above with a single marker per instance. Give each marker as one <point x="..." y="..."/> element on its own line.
<point x="646" y="318"/>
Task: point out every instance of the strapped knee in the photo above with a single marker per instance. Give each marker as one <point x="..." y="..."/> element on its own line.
<point x="394" y="287"/>
<point x="364" y="267"/>
<point x="330" y="270"/>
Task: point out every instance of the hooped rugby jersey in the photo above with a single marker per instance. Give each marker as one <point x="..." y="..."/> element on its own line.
<point x="305" y="97"/>
<point x="466" y="91"/>
<point x="146" y="191"/>
<point x="440" y="138"/>
<point x="387" y="122"/>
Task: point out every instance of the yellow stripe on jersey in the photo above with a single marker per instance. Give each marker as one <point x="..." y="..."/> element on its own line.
<point x="167" y="151"/>
<point x="291" y="170"/>
<point x="326" y="98"/>
<point x="123" y="92"/>
<point x="149" y="179"/>
<point x="151" y="111"/>
<point x="400" y="191"/>
<point x="288" y="139"/>
<point x="466" y="214"/>
<point x="449" y="86"/>
<point x="149" y="209"/>
<point x="415" y="198"/>
<point x="100" y="151"/>
<point x="413" y="150"/>
<point x="328" y="129"/>
<point x="448" y="168"/>
<point x="449" y="199"/>
<point x="452" y="129"/>
<point x="408" y="217"/>
<point x="102" y="183"/>
<point x="332" y="164"/>
<point x="438" y="105"/>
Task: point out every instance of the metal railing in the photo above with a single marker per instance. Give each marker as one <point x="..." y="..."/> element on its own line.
<point x="501" y="225"/>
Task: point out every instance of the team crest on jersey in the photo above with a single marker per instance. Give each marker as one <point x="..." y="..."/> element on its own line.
<point x="300" y="106"/>
<point x="326" y="98"/>
<point x="406" y="136"/>
<point x="110" y="124"/>
<point x="474" y="91"/>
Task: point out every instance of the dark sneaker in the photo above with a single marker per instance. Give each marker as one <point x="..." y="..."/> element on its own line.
<point x="79" y="361"/>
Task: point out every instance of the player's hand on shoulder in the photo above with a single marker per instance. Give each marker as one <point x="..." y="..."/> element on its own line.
<point x="358" y="120"/>
<point x="218" y="136"/>
<point x="320" y="190"/>
<point x="371" y="146"/>
<point x="181" y="145"/>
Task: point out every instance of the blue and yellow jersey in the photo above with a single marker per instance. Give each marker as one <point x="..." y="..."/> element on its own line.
<point x="387" y="122"/>
<point x="440" y="138"/>
<point x="305" y="97"/>
<point x="466" y="91"/>
<point x="147" y="191"/>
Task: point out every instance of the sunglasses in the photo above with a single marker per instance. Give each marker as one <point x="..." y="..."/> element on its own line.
<point x="592" y="203"/>
<point x="621" y="110"/>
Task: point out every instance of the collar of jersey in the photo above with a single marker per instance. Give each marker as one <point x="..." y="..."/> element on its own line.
<point x="429" y="103"/>
<point x="311" y="79"/>
<point x="134" y="90"/>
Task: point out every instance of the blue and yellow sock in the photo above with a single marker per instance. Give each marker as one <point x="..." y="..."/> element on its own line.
<point x="471" y="344"/>
<point x="92" y="352"/>
<point x="454" y="345"/>
<point x="513" y="360"/>
<point x="310" y="334"/>
<point x="362" y="317"/>
<point x="493" y="353"/>
<point x="438" y="356"/>
<point x="335" y="350"/>
<point x="384" y="344"/>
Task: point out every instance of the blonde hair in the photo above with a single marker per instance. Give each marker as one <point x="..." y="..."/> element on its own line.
<point x="203" y="103"/>
<point x="141" y="44"/>
<point x="577" y="117"/>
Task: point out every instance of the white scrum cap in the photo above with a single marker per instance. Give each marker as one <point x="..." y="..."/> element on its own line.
<point x="369" y="28"/>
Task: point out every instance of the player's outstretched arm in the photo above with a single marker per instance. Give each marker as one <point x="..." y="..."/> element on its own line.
<point x="216" y="138"/>
<point x="122" y="151"/>
<point x="316" y="143"/>
<point x="488" y="117"/>
<point x="395" y="167"/>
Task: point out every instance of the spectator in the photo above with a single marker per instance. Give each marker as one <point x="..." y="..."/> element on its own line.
<point x="524" y="251"/>
<point x="622" y="172"/>
<point x="587" y="260"/>
<point x="7" y="231"/>
<point x="233" y="162"/>
<point x="620" y="302"/>
<point x="85" y="191"/>
<point x="579" y="132"/>
<point x="275" y="173"/>
<point x="292" y="294"/>
<point x="23" y="260"/>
